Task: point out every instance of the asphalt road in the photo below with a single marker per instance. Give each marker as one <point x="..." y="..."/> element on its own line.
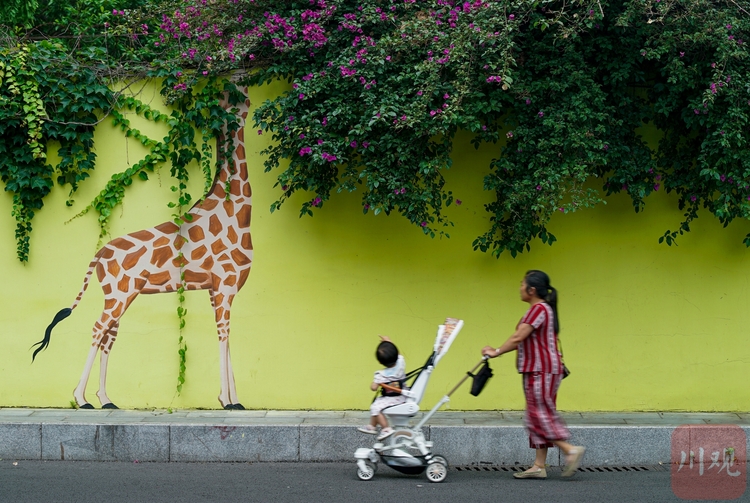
<point x="112" y="482"/>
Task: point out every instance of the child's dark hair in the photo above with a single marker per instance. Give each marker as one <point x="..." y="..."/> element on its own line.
<point x="540" y="281"/>
<point x="387" y="353"/>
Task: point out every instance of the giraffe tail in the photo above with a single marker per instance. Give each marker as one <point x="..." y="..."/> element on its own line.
<point x="64" y="313"/>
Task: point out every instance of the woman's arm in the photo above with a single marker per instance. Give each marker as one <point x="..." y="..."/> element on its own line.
<point x="522" y="332"/>
<point x="374" y="386"/>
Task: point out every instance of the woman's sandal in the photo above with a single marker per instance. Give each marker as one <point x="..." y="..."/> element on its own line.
<point x="574" y="461"/>
<point x="369" y="429"/>
<point x="539" y="473"/>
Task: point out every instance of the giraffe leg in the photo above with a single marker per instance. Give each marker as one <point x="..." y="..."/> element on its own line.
<point x="100" y="330"/>
<point x="79" y="393"/>
<point x="228" y="395"/>
<point x="104" y="358"/>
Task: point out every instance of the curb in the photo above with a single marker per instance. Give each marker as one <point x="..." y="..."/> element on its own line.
<point x="607" y="445"/>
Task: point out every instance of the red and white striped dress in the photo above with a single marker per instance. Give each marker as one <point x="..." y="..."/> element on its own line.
<point x="540" y="363"/>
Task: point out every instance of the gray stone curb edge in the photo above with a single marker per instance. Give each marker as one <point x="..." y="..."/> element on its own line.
<point x="460" y="444"/>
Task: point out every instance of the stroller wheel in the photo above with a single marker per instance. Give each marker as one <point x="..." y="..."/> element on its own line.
<point x="439" y="459"/>
<point x="368" y="471"/>
<point x="437" y="470"/>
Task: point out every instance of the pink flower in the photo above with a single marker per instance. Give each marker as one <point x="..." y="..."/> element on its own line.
<point x="304" y="150"/>
<point x="301" y="96"/>
<point x="316" y="201"/>
<point x="656" y="186"/>
<point x="538" y="187"/>
<point x="284" y="188"/>
<point x="511" y="17"/>
<point x="260" y="131"/>
<point x="458" y="202"/>
<point x="353" y="144"/>
<point x="540" y="114"/>
<point x="423" y="224"/>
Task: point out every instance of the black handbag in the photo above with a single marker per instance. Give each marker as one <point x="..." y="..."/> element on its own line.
<point x="566" y="370"/>
<point x="480" y="378"/>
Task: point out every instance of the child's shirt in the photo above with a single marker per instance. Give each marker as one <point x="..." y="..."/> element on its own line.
<point x="389" y="374"/>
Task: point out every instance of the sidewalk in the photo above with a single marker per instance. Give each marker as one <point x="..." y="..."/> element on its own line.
<point x="464" y="438"/>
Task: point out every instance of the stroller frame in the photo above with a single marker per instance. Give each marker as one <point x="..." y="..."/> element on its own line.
<point x="407" y="450"/>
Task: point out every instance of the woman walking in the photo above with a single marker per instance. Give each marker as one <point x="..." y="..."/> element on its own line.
<point x="539" y="361"/>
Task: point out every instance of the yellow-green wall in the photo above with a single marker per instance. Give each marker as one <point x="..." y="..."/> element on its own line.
<point x="644" y="326"/>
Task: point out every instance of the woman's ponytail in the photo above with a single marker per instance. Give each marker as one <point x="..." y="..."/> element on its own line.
<point x="540" y="281"/>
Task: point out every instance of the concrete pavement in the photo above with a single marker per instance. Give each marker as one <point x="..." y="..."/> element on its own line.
<point x="464" y="438"/>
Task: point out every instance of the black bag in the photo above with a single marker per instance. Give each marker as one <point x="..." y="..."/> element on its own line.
<point x="566" y="371"/>
<point x="480" y="378"/>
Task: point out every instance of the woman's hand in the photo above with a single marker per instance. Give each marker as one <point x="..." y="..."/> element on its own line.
<point x="384" y="338"/>
<point x="489" y="351"/>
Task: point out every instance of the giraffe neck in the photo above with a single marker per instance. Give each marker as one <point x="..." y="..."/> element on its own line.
<point x="233" y="176"/>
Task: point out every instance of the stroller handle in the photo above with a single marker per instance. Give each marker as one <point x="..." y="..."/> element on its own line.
<point x="484" y="359"/>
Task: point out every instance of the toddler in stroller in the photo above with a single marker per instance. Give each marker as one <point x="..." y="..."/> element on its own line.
<point x="392" y="376"/>
<point x="404" y="448"/>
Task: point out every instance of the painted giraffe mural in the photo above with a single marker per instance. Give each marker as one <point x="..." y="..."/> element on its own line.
<point x="216" y="257"/>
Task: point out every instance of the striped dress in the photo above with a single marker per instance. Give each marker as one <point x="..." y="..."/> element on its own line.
<point x="539" y="362"/>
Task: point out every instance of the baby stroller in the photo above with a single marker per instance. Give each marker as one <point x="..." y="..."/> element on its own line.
<point x="406" y="450"/>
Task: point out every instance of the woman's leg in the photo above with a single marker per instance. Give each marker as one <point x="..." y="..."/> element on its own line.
<point x="545" y="427"/>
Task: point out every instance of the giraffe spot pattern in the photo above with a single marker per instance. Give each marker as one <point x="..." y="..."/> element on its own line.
<point x="121" y="244"/>
<point x="247" y="241"/>
<point x="214" y="225"/>
<point x="243" y="277"/>
<point x="198" y="252"/>
<point x="219" y="313"/>
<point x="232" y="235"/>
<point x="196" y="233"/>
<point x="240" y="152"/>
<point x="109" y="303"/>
<point x="167" y="228"/>
<point x="234" y="189"/>
<point x="179" y="262"/>
<point x="160" y="256"/>
<point x="107" y="289"/>
<point x="228" y="268"/>
<point x="117" y="312"/>
<point x="208" y="263"/>
<point x="179" y="241"/>
<point x="100" y="271"/>
<point x="241" y="135"/>
<point x="230" y="280"/>
<point x="219" y="192"/>
<point x="229" y="207"/>
<point x="240" y="258"/>
<point x="143" y="235"/>
<point x="223" y="257"/>
<point x="132" y="258"/>
<point x="243" y="217"/>
<point x="159" y="278"/>
<point x="218" y="247"/>
<point x="124" y="284"/>
<point x="113" y="268"/>
<point x="208" y="204"/>
<point x="196" y="277"/>
<point x="161" y="242"/>
<point x="106" y="253"/>
<point x="247" y="191"/>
